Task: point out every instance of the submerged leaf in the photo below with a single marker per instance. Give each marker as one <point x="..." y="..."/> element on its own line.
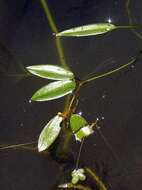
<point x="50" y="72"/>
<point x="78" y="175"/>
<point x="49" y="133"/>
<point x="54" y="90"/>
<point x="88" y="30"/>
<point x="77" y="122"/>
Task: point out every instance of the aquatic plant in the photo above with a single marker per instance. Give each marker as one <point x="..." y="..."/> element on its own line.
<point x="65" y="82"/>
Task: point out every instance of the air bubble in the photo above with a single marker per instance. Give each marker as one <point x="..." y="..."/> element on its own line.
<point x="132" y="66"/>
<point x="21" y="124"/>
<point x="80" y="113"/>
<point x="103" y="96"/>
<point x="109" y="20"/>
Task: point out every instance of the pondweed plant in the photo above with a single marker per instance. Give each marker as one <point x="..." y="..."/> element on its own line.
<point x="64" y="82"/>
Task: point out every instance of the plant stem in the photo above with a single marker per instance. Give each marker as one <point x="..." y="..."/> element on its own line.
<point x="110" y="72"/>
<point x="129" y="27"/>
<point x="17" y="145"/>
<point x="54" y="29"/>
<point x="130" y="19"/>
<point x="96" y="178"/>
<point x="79" y="154"/>
<point x="71" y="106"/>
<point x="70" y="186"/>
<point x="69" y="109"/>
<point x="67" y="140"/>
<point x="49" y="16"/>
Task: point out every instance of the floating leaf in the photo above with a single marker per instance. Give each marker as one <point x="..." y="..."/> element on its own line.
<point x="50" y="72"/>
<point x="88" y="30"/>
<point x="54" y="90"/>
<point x="83" y="132"/>
<point x="77" y="122"/>
<point x="49" y="133"/>
<point x="78" y="175"/>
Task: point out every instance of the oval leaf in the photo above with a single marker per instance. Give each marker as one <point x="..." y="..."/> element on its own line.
<point x="54" y="90"/>
<point x="50" y="72"/>
<point x="77" y="122"/>
<point x="88" y="30"/>
<point x="49" y="133"/>
<point x="83" y="132"/>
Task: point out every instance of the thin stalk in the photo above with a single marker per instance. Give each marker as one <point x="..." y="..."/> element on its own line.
<point x="17" y="145"/>
<point x="130" y="19"/>
<point x="70" y="107"/>
<point x="70" y="186"/>
<point x="129" y="27"/>
<point x="79" y="154"/>
<point x="96" y="178"/>
<point x="110" y="72"/>
<point x="61" y="53"/>
<point x="54" y="29"/>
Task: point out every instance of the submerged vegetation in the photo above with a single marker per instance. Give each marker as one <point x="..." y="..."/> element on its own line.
<point x="64" y="82"/>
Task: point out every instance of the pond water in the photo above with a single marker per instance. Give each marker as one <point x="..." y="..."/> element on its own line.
<point x="26" y="39"/>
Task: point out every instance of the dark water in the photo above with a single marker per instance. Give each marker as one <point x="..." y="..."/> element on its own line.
<point x="26" y="39"/>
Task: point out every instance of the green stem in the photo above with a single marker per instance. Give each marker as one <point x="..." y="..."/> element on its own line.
<point x="67" y="140"/>
<point x="96" y="178"/>
<point x="49" y="16"/>
<point x="130" y="19"/>
<point x="109" y="72"/>
<point x="61" y="53"/>
<point x="129" y="27"/>
<point x="17" y="145"/>
<point x="54" y="29"/>
<point x="79" y="154"/>
<point x="70" y="186"/>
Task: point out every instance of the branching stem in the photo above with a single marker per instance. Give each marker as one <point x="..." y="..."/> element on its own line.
<point x="110" y="72"/>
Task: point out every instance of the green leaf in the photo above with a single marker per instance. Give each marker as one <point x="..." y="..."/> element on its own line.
<point x="88" y="30"/>
<point x="78" y="175"/>
<point x="50" y="72"/>
<point x="54" y="90"/>
<point x="79" y="127"/>
<point x="49" y="133"/>
<point x="77" y="122"/>
<point x="83" y="132"/>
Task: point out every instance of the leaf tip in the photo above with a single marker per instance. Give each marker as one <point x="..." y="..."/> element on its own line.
<point x="41" y="147"/>
<point x="32" y="99"/>
<point x="35" y="98"/>
<point x="28" y="68"/>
